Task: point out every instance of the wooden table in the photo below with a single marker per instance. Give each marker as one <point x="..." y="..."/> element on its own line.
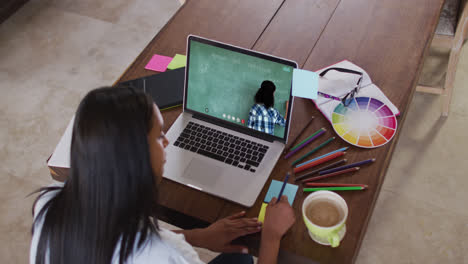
<point x="387" y="38"/>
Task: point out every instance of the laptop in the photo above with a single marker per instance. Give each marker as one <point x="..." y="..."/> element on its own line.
<point x="219" y="144"/>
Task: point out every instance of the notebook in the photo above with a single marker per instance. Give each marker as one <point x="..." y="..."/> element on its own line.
<point x="166" y="88"/>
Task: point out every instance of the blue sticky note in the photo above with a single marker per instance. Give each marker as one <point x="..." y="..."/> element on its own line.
<point x="305" y="84"/>
<point x="275" y="188"/>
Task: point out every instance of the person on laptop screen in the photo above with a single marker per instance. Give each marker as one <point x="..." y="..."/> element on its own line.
<point x="104" y="212"/>
<point x="263" y="116"/>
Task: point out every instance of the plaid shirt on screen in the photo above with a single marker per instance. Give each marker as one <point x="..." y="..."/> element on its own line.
<point x="264" y="120"/>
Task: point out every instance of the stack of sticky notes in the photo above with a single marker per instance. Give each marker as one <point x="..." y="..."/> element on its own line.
<point x="178" y="61"/>
<point x="305" y="84"/>
<point x="158" y="63"/>
<point x="161" y="63"/>
<point x="275" y="187"/>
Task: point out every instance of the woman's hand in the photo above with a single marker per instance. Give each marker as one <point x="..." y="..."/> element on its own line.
<point x="219" y="235"/>
<point x="279" y="217"/>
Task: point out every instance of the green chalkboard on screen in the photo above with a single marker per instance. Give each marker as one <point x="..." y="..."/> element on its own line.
<point x="223" y="83"/>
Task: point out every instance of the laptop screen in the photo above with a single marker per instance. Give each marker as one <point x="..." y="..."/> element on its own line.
<point x="242" y="87"/>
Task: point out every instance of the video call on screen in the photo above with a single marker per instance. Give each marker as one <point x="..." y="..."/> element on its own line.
<point x="223" y="83"/>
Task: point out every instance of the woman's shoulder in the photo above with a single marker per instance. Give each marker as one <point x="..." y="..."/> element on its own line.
<point x="45" y="195"/>
<point x="166" y="247"/>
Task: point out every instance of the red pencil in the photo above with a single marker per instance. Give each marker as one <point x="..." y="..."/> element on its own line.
<point x="314" y="184"/>
<point x="331" y="174"/>
<point x="318" y="162"/>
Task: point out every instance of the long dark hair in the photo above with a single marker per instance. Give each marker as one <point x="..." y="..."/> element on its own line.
<point x="111" y="193"/>
<point x="264" y="95"/>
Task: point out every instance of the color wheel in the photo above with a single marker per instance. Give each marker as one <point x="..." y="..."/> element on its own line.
<point x="365" y="122"/>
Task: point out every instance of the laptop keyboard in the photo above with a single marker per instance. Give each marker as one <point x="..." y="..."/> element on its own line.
<point x="221" y="146"/>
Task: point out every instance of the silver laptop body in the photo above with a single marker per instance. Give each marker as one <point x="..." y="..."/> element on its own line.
<point x="219" y="175"/>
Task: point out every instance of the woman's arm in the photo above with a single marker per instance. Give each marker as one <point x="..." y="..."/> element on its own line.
<point x="219" y="235"/>
<point x="269" y="248"/>
<point x="193" y="236"/>
<point x="279" y="217"/>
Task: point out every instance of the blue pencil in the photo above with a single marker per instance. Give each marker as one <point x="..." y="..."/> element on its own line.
<point x="282" y="187"/>
<point x="330" y="153"/>
<point x="360" y="163"/>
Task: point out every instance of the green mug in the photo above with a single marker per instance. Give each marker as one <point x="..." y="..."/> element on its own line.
<point x="325" y="214"/>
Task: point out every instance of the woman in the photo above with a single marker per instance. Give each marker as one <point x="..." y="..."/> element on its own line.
<point x="105" y="211"/>
<point x="263" y="116"/>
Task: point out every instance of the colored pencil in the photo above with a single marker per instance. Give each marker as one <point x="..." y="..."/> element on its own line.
<point x="331" y="174"/>
<point x="314" y="184"/>
<point x="299" y="134"/>
<point x="318" y="162"/>
<point x="309" y="137"/>
<point x="306" y="143"/>
<point x="282" y="187"/>
<point x="334" y="164"/>
<point x="356" y="164"/>
<point x="329" y="153"/>
<point x="313" y="151"/>
<point x="355" y="188"/>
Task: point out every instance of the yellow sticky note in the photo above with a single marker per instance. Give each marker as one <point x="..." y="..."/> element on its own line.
<point x="178" y="61"/>
<point x="261" y="215"/>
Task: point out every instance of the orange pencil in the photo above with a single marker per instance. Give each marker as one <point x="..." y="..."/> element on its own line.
<point x="314" y="184"/>
<point x="318" y="162"/>
<point x="331" y="174"/>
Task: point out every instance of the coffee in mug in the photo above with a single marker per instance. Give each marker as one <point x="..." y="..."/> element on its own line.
<point x="324" y="215"/>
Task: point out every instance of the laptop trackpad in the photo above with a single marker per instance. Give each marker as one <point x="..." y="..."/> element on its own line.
<point x="203" y="172"/>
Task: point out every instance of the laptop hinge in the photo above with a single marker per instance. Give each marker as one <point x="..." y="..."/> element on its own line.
<point x="226" y="124"/>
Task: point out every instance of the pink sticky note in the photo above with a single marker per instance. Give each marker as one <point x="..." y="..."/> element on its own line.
<point x="158" y="63"/>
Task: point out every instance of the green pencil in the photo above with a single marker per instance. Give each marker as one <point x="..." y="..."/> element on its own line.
<point x="357" y="188"/>
<point x="300" y="143"/>
<point x="313" y="151"/>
